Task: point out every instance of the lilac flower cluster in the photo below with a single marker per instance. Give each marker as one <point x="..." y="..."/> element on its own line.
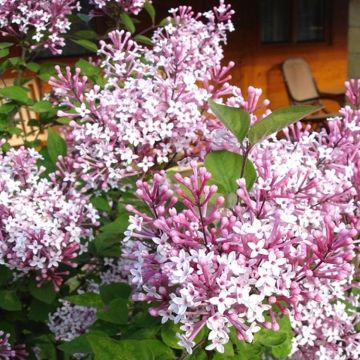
<point x="8" y="352"/>
<point x="283" y="243"/>
<point x="152" y="109"/>
<point x="323" y="327"/>
<point x="41" y="222"/>
<point x="69" y="320"/>
<point x="38" y="23"/>
<point x="130" y="6"/>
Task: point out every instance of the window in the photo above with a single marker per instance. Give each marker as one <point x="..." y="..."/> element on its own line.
<point x="284" y="21"/>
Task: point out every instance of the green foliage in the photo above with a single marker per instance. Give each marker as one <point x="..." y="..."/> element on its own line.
<point x="56" y="145"/>
<point x="86" y="44"/>
<point x="278" y="120"/>
<point x="127" y="22"/>
<point x="226" y="167"/>
<point x="9" y="300"/>
<point x="86" y="299"/>
<point x="149" y="8"/>
<point x="168" y="335"/>
<point x="16" y="93"/>
<point x="235" y="119"/>
<point x="45" y="293"/>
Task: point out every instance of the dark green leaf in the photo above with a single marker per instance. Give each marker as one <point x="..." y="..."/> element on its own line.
<point x="149" y="8"/>
<point x="9" y="300"/>
<point x="46" y="348"/>
<point x="88" y="69"/>
<point x="270" y="338"/>
<point x="42" y="106"/>
<point x="85" y="34"/>
<point x="278" y="120"/>
<point x="226" y="167"/>
<point x="32" y="66"/>
<point x="5" y="275"/>
<point x="5" y="45"/>
<point x="78" y="345"/>
<point x="198" y="354"/>
<point x="7" y="108"/>
<point x="143" y="40"/>
<point x="40" y="311"/>
<point x="86" y="299"/>
<point x="110" y="292"/>
<point x="4" y="52"/>
<point x="115" y="312"/>
<point x="45" y="293"/>
<point x="235" y="119"/>
<point x="127" y="22"/>
<point x="87" y="44"/>
<point x="105" y="348"/>
<point x="168" y="335"/>
<point x="101" y="204"/>
<point x="158" y="350"/>
<point x="283" y="350"/>
<point x="56" y="145"/>
<point x="16" y="93"/>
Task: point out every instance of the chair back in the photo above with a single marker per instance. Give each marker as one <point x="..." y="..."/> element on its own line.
<point x="300" y="85"/>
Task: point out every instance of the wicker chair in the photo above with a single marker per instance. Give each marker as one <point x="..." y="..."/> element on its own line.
<point x="302" y="89"/>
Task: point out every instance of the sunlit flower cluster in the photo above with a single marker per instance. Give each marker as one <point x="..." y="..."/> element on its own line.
<point x="38" y="23"/>
<point x="152" y="110"/>
<point x="285" y="241"/>
<point x="328" y="330"/>
<point x="130" y="6"/>
<point x="42" y="223"/>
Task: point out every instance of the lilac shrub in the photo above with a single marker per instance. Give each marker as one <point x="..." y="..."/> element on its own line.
<point x="288" y="242"/>
<point x="152" y="108"/>
<point x="37" y="23"/>
<point x="42" y="222"/>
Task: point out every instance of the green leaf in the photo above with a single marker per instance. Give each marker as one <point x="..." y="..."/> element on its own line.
<point x="105" y="348"/>
<point x="5" y="275"/>
<point x="127" y="22"/>
<point x="86" y="299"/>
<point x="100" y="203"/>
<point x="16" y="93"/>
<point x="4" y="52"/>
<point x="283" y="350"/>
<point x="115" y="312"/>
<point x="5" y="45"/>
<point x="85" y="34"/>
<point x="278" y="120"/>
<point x="40" y="311"/>
<point x="270" y="338"/>
<point x="198" y="354"/>
<point x="77" y="345"/>
<point x="110" y="292"/>
<point x="149" y="8"/>
<point x="9" y="300"/>
<point x="235" y="119"/>
<point x="45" y="293"/>
<point x="168" y="335"/>
<point x="63" y="120"/>
<point x="56" y="145"/>
<point x="87" y="44"/>
<point x="143" y="40"/>
<point x="7" y="108"/>
<point x="46" y="348"/>
<point x="88" y="69"/>
<point x="42" y="106"/>
<point x="32" y="66"/>
<point x="158" y="350"/>
<point x="225" y="168"/>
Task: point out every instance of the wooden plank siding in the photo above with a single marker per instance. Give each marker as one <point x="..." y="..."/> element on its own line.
<point x="258" y="64"/>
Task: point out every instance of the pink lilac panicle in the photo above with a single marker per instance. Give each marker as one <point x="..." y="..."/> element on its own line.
<point x="151" y="112"/>
<point x="39" y="23"/>
<point x="130" y="6"/>
<point x="290" y="241"/>
<point x="42" y="222"/>
<point x="8" y="352"/>
<point x="210" y="267"/>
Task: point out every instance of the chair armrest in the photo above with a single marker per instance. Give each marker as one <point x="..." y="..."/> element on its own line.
<point x="339" y="97"/>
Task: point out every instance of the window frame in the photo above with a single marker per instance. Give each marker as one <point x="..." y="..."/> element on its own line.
<point x="328" y="11"/>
